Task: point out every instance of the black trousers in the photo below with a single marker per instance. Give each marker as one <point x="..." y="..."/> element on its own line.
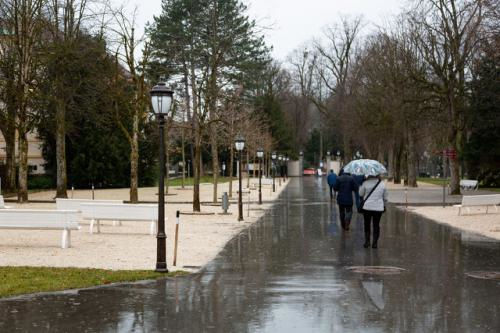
<point x="332" y="192"/>
<point x="369" y="217"/>
<point x="345" y="215"/>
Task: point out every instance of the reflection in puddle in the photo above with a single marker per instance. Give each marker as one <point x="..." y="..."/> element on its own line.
<point x="375" y="292"/>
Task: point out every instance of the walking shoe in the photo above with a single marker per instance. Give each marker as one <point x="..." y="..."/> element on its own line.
<point x="366" y="245"/>
<point x="374" y="245"/>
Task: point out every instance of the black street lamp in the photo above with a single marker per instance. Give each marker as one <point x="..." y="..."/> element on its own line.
<point x="240" y="145"/>
<point x="280" y="158"/>
<point x="161" y="100"/>
<point x="286" y="167"/>
<point x="273" y="157"/>
<point x="260" y="155"/>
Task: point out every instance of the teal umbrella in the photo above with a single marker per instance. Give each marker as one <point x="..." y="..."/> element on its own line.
<point x="365" y="167"/>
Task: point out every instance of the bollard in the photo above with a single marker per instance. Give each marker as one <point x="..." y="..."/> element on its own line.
<point x="72" y="191"/>
<point x="92" y="191"/>
<point x="178" y="213"/>
<point x="225" y="202"/>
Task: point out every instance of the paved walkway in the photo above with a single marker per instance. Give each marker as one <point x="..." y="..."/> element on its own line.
<point x="292" y="272"/>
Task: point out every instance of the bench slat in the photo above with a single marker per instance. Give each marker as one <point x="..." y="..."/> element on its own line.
<point x="123" y="212"/>
<point x="31" y="219"/>
<point x="75" y="204"/>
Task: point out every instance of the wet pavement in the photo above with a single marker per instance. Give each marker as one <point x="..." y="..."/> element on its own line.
<point x="293" y="272"/>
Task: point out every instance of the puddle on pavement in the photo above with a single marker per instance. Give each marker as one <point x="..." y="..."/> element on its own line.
<point x="376" y="270"/>
<point x="485" y="275"/>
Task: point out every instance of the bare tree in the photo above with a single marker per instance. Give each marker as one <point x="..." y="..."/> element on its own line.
<point x="8" y="106"/>
<point x="24" y="19"/>
<point x="66" y="18"/>
<point x="126" y="52"/>
<point x="446" y="33"/>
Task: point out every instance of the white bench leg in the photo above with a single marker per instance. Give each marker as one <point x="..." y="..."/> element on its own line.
<point x="66" y="239"/>
<point x="91" y="226"/>
<point x="152" y="227"/>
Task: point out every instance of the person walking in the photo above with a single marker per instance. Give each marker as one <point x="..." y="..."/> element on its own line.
<point x="345" y="186"/>
<point x="374" y="196"/>
<point x="332" y="179"/>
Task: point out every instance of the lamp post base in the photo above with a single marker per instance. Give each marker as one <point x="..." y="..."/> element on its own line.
<point x="161" y="267"/>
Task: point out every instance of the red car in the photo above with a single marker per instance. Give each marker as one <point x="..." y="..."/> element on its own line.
<point x="309" y="172"/>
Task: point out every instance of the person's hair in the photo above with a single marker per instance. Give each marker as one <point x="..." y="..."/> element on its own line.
<point x="331" y="170"/>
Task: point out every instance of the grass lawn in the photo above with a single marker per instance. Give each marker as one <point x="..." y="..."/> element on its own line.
<point x="435" y="181"/>
<point x="494" y="189"/>
<point x="439" y="181"/>
<point x="204" y="179"/>
<point x="26" y="280"/>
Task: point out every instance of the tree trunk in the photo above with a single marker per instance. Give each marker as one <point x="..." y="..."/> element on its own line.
<point x="183" y="159"/>
<point x="231" y="162"/>
<point x="10" y="158"/>
<point x="455" y="164"/>
<point x="134" y="162"/>
<point x="202" y="170"/>
<point x="197" y="170"/>
<point x="196" y="142"/>
<point x="62" y="177"/>
<point x="248" y="169"/>
<point x="412" y="159"/>
<point x="390" y="167"/>
<point x="22" y="192"/>
<point x="404" y="164"/>
<point x="215" y="160"/>
<point x="397" y="164"/>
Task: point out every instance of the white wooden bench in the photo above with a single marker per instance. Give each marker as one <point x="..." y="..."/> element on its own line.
<point x="267" y="181"/>
<point x="41" y="220"/>
<point x="96" y="212"/>
<point x="75" y="204"/>
<point x="478" y="201"/>
<point x="2" y="203"/>
<point x="468" y="184"/>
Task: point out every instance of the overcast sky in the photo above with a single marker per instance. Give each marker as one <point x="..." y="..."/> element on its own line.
<point x="292" y="22"/>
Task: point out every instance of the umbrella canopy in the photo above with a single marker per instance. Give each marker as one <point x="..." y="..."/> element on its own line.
<point x="365" y="167"/>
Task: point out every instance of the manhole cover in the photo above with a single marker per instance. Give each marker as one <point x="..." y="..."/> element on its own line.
<point x="484" y="275"/>
<point x="376" y="270"/>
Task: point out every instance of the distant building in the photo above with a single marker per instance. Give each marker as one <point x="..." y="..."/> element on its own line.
<point x="35" y="158"/>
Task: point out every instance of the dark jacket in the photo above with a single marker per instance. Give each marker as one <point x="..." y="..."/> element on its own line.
<point x="359" y="179"/>
<point x="332" y="178"/>
<point x="345" y="186"/>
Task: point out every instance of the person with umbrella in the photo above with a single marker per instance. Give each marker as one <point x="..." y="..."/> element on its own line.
<point x="374" y="196"/>
<point x="345" y="186"/>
